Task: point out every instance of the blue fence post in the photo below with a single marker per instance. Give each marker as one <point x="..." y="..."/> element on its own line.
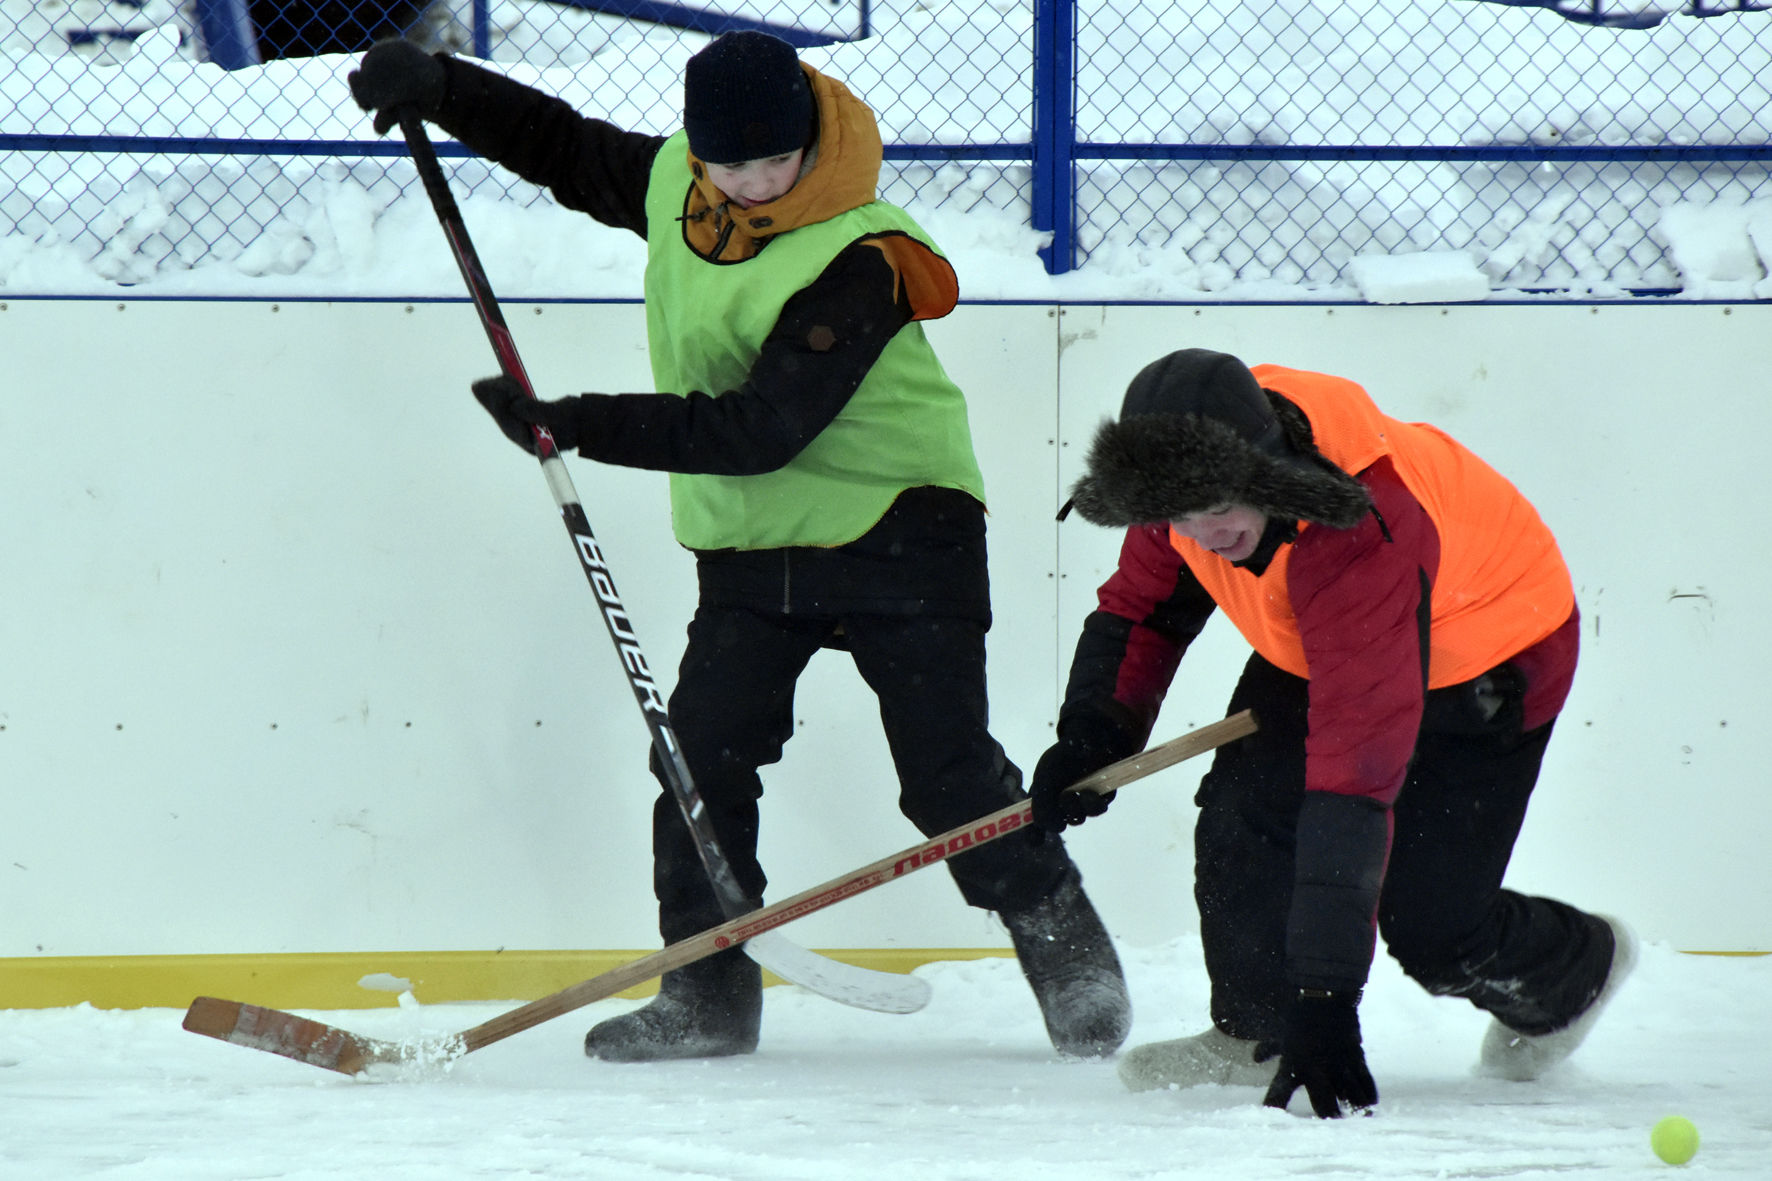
<point x="483" y="30"/>
<point x="1055" y="133"/>
<point x="229" y="39"/>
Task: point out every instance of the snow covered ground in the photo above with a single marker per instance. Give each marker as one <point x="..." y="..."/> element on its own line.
<point x="966" y="1090"/>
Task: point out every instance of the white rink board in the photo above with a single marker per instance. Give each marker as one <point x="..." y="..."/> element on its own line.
<point x="295" y="656"/>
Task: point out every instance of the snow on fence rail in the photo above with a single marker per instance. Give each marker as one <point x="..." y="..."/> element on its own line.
<point x="1240" y="151"/>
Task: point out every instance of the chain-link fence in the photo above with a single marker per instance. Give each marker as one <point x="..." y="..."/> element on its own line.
<point x="1247" y="148"/>
<point x="1544" y="147"/>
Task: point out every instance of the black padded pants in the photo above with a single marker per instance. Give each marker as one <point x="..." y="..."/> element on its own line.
<point x="1535" y="963"/>
<point x="733" y="711"/>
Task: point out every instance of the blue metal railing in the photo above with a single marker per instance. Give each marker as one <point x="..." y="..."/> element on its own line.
<point x="678" y="16"/>
<point x="211" y="146"/>
<point x="228" y="35"/>
<point x="1053" y="185"/>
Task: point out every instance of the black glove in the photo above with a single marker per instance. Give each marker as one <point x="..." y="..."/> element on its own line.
<point x="1321" y="1052"/>
<point x="517" y="413"/>
<point x="395" y="74"/>
<point x="1085" y="745"/>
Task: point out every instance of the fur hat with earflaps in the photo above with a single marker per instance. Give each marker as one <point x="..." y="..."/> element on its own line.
<point x="1196" y="431"/>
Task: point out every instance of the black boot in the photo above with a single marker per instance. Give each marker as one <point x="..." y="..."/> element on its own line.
<point x="1069" y="962"/>
<point x="711" y="1008"/>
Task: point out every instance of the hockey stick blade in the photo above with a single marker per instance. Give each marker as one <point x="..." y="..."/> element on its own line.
<point x="277" y="1032"/>
<point x="318" y="1044"/>
<point x="863" y="988"/>
<point x="859" y="988"/>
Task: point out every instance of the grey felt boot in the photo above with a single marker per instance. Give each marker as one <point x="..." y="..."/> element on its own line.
<point x="1069" y="962"/>
<point x="1522" y="1057"/>
<point x="711" y="1008"/>
<point x="1210" y="1057"/>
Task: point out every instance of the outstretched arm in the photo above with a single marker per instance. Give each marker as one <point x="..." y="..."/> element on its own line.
<point x="825" y="341"/>
<point x="1362" y="598"/>
<point x="1150" y="609"/>
<point x="589" y="165"/>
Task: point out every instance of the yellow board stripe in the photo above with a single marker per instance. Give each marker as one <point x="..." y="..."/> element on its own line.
<point x="329" y="980"/>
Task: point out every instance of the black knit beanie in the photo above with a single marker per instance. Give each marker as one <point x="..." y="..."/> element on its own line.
<point x="746" y="98"/>
<point x="1196" y="430"/>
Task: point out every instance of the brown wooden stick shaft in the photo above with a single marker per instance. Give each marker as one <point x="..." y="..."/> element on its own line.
<point x="318" y="1044"/>
<point x="937" y="848"/>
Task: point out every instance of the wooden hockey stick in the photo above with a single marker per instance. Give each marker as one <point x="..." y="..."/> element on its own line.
<point x="318" y="1044"/>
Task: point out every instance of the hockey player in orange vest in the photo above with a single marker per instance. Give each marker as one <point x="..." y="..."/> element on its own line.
<point x="1415" y="635"/>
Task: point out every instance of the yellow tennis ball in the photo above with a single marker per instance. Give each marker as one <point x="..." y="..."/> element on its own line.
<point x="1674" y="1139"/>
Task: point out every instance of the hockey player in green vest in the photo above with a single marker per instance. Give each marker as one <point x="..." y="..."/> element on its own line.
<point x="822" y="473"/>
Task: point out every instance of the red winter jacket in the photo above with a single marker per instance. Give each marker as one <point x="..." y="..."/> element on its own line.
<point x="1342" y="607"/>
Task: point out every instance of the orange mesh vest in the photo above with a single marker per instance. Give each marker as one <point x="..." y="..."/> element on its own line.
<point x="1501" y="586"/>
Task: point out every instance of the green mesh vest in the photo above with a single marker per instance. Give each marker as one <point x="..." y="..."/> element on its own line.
<point x="705" y="322"/>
